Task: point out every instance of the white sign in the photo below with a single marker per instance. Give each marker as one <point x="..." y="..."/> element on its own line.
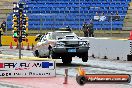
<point x="27" y="68"/>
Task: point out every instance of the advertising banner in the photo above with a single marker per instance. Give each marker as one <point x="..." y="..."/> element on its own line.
<point x="27" y="68"/>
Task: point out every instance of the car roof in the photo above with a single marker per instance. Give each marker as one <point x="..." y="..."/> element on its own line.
<point x="50" y="32"/>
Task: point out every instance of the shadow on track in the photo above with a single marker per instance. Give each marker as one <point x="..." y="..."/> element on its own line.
<point x="70" y="65"/>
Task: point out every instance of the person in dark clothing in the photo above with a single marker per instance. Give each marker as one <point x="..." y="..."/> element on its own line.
<point x="117" y="17"/>
<point x="3" y="26"/>
<point x="111" y="17"/>
<point x="1" y="33"/>
<point x="85" y="29"/>
<point x="91" y="30"/>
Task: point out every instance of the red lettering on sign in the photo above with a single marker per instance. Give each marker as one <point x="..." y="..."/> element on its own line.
<point x="1" y="65"/>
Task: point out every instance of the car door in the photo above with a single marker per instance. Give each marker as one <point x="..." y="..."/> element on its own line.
<point x="43" y="47"/>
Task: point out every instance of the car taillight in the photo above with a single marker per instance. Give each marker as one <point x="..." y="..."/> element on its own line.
<point x="83" y="43"/>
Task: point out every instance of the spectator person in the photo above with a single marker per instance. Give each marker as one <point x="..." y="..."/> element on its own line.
<point x="91" y="30"/>
<point x="102" y="17"/>
<point x="85" y="29"/>
<point x="116" y="17"/>
<point x="110" y="17"/>
<point x="96" y="17"/>
<point x="3" y="26"/>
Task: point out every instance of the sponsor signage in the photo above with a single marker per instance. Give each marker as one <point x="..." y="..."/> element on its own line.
<point x="83" y="78"/>
<point x="27" y="68"/>
<point x="103" y="78"/>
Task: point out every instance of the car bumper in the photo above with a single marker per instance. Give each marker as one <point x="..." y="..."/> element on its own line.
<point x="62" y="50"/>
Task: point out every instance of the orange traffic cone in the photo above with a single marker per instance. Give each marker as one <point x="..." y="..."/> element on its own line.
<point x="17" y="46"/>
<point x="28" y="47"/>
<point x="11" y="46"/>
<point x="22" y="47"/>
<point x="130" y="37"/>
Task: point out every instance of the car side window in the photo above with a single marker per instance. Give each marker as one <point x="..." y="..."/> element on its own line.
<point x="43" y="38"/>
<point x="48" y="36"/>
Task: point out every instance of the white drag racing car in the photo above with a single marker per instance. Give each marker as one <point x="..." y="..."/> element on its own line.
<point x="62" y="45"/>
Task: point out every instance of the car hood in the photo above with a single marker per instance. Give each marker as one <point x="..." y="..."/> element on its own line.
<point x="72" y="40"/>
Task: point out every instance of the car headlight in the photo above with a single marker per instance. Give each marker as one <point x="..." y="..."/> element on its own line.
<point x="83" y="43"/>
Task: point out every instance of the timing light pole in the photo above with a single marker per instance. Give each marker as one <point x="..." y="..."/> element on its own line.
<point x="18" y="9"/>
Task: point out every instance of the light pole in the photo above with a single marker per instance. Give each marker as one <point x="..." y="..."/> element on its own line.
<point x="6" y="24"/>
<point x="111" y="25"/>
<point x="79" y="18"/>
<point x="40" y="23"/>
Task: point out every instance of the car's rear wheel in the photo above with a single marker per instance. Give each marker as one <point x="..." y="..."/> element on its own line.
<point x="85" y="57"/>
<point x="36" y="53"/>
<point x="66" y="60"/>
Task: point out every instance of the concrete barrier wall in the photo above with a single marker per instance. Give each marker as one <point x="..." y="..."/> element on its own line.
<point x="98" y="46"/>
<point x="110" y="48"/>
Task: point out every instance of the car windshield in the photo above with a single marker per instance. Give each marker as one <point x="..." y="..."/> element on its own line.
<point x="57" y="35"/>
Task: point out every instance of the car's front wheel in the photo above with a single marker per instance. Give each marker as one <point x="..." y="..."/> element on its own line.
<point x="66" y="60"/>
<point x="85" y="57"/>
<point x="36" y="53"/>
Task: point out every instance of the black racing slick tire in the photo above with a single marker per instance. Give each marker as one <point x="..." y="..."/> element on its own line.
<point x="85" y="57"/>
<point x="66" y="60"/>
<point x="36" y="53"/>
